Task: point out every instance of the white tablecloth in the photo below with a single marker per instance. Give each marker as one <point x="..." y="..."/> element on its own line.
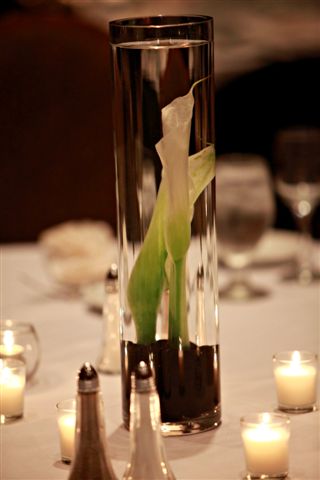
<point x="70" y="334"/>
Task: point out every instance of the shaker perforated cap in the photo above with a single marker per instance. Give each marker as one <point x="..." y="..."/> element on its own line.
<point x="88" y="380"/>
<point x="112" y="273"/>
<point x="111" y="280"/>
<point x="142" y="378"/>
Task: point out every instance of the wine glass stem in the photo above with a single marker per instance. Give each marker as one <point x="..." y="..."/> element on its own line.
<point x="239" y="283"/>
<point x="305" y="249"/>
<point x="239" y="276"/>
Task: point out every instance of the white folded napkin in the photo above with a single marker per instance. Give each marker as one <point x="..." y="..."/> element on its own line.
<point x="79" y="252"/>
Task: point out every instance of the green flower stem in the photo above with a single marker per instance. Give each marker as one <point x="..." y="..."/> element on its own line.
<point x="178" y="325"/>
<point x="147" y="277"/>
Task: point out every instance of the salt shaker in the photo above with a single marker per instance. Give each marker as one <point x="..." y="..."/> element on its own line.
<point x="91" y="461"/>
<point x="147" y="454"/>
<point x="109" y="359"/>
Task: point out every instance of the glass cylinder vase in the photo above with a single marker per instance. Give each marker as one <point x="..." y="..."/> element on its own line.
<point x="163" y="105"/>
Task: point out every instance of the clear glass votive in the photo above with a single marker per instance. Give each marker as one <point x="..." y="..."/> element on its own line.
<point x="66" y="410"/>
<point x="20" y="340"/>
<point x="295" y="374"/>
<point x="265" y="438"/>
<point x="12" y="387"/>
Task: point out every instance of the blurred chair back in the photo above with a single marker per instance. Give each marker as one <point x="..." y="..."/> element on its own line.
<point x="251" y="109"/>
<point x="55" y="124"/>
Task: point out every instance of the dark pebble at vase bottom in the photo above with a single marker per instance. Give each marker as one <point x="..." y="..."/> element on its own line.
<point x="188" y="382"/>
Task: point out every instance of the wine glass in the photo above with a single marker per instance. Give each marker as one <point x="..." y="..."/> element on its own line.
<point x="245" y="210"/>
<point x="297" y="180"/>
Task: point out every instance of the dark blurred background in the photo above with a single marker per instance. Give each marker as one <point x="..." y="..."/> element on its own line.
<point x="55" y="97"/>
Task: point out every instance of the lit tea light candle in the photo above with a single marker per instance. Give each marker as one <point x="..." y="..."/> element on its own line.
<point x="66" y="425"/>
<point x="8" y="348"/>
<point x="295" y="375"/>
<point x="265" y="438"/>
<point x="12" y="386"/>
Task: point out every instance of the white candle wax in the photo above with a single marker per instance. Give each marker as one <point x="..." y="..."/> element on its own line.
<point x="296" y="382"/>
<point x="66" y="423"/>
<point x="266" y="449"/>
<point x="11" y="392"/>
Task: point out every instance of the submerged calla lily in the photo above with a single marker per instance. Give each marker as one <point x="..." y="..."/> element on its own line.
<point x="173" y="151"/>
<point x="164" y="250"/>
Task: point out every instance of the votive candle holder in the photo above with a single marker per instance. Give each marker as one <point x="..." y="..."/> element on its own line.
<point x="66" y="411"/>
<point x="295" y="374"/>
<point x="265" y="438"/>
<point x="12" y="388"/>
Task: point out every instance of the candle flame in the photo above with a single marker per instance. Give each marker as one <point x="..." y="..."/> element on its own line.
<point x="266" y="418"/>
<point x="8" y="339"/>
<point x="296" y="357"/>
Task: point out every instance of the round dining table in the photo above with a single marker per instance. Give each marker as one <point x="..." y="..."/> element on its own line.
<point x="70" y="333"/>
